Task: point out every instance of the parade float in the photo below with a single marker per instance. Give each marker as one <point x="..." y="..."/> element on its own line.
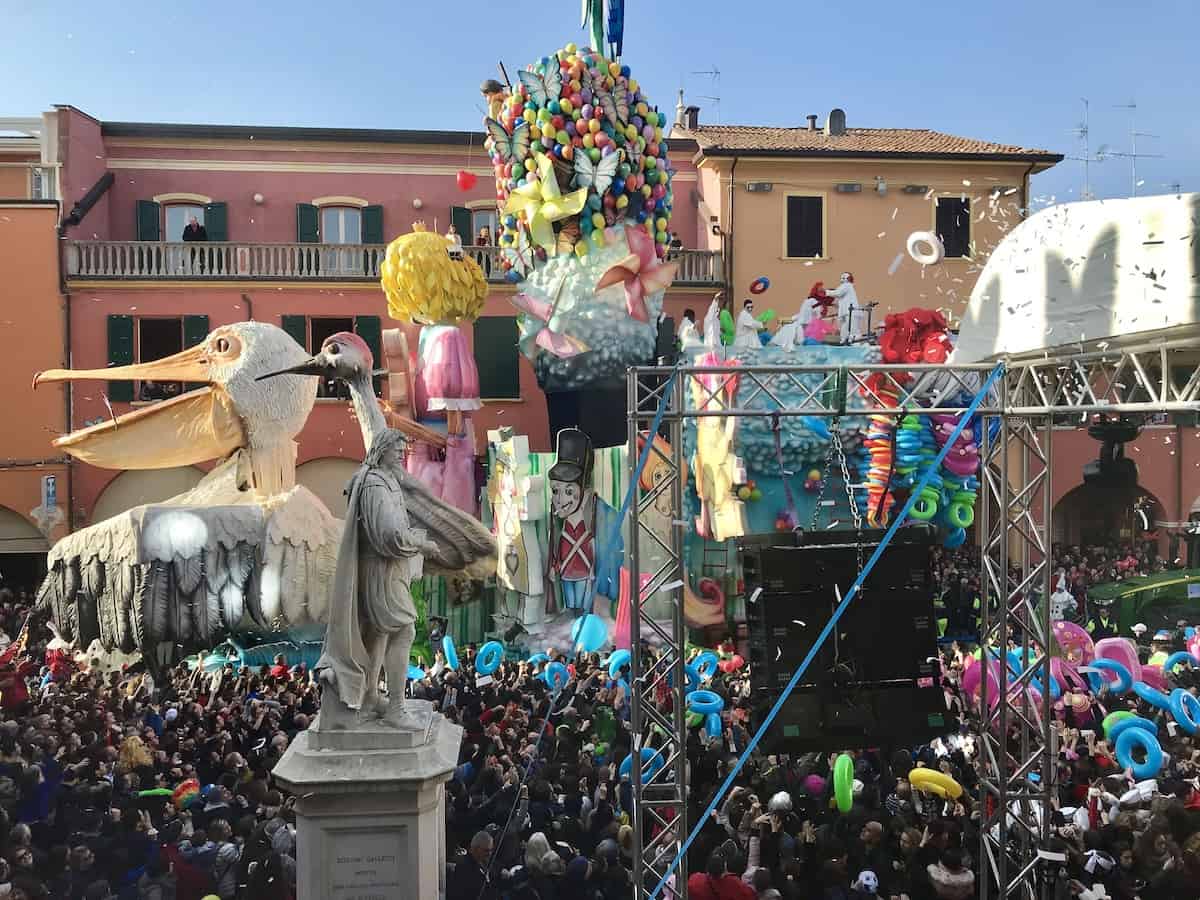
<point x="583" y="185"/>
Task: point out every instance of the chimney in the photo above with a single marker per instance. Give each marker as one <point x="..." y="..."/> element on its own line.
<point x="680" y="110"/>
<point x="812" y="123"/>
<point x="836" y="123"/>
<point x="691" y="117"/>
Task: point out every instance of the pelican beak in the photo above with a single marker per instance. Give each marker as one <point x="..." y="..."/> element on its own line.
<point x="316" y="365"/>
<point x="194" y="427"/>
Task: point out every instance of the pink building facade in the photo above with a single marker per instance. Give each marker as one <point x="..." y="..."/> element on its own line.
<point x="296" y="221"/>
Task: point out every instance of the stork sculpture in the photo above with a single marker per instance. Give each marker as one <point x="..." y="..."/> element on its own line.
<point x="247" y="550"/>
<point x="463" y="543"/>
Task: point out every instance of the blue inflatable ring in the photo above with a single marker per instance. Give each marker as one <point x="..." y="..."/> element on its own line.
<point x="1124" y="680"/>
<point x="450" y="651"/>
<point x="1151" y="695"/>
<point x="1133" y="722"/>
<point x="706" y="664"/>
<point x="652" y="761"/>
<point x="415" y="673"/>
<point x="489" y="658"/>
<point x="1138" y="737"/>
<point x="1186" y="710"/>
<point x="1176" y="659"/>
<point x="713" y="726"/>
<point x="537" y="659"/>
<point x="556" y="672"/>
<point x="705" y="702"/>
<point x="618" y="659"/>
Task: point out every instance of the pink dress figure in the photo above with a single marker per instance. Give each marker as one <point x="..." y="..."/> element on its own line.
<point x="447" y="385"/>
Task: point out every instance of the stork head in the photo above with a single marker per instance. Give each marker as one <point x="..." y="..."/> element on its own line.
<point x="343" y="356"/>
<point x="234" y="407"/>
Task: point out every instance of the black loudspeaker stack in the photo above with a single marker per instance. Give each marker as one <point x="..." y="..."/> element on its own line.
<point x="876" y="680"/>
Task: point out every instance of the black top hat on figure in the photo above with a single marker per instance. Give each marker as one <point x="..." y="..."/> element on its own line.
<point x="574" y="451"/>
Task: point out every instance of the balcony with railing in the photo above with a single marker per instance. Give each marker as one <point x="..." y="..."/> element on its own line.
<point x="233" y="261"/>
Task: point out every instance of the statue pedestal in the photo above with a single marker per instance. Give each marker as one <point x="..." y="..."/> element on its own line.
<point x="370" y="808"/>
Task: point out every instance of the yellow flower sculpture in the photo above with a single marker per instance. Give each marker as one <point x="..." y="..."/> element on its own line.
<point x="425" y="284"/>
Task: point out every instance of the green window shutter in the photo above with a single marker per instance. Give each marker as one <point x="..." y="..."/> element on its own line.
<point x="297" y="327"/>
<point x="496" y="357"/>
<point x="307" y="223"/>
<point x="216" y="221"/>
<point x="195" y="330"/>
<point x="120" y="353"/>
<point x="372" y="225"/>
<point x="460" y="218"/>
<point x="148" y="218"/>
<point x="369" y="329"/>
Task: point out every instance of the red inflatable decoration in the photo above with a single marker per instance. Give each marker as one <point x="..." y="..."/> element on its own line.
<point x="466" y="180"/>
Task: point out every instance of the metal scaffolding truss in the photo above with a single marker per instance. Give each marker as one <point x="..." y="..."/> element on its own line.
<point x="1014" y="740"/>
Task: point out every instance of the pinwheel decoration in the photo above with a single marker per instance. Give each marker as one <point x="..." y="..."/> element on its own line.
<point x="543" y="203"/>
<point x="539" y="326"/>
<point x="640" y="272"/>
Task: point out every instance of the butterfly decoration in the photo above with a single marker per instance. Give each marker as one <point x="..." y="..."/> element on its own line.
<point x="568" y="235"/>
<point x="596" y="175"/>
<point x="543" y="88"/>
<point x="633" y="154"/>
<point x="540" y="323"/>
<point x="511" y="147"/>
<point x="520" y="254"/>
<point x="615" y="104"/>
<point x="640" y="272"/>
<point x="544" y="204"/>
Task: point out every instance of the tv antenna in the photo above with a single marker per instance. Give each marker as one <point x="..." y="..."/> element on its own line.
<point x="1083" y="132"/>
<point x="715" y="74"/>
<point x="1133" y="156"/>
<point x="716" y="102"/>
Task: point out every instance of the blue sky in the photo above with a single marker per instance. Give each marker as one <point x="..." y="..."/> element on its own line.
<point x="1012" y="72"/>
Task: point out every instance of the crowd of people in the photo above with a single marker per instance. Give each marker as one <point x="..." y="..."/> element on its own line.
<point x="538" y="808"/>
<point x="153" y="786"/>
<point x="127" y="785"/>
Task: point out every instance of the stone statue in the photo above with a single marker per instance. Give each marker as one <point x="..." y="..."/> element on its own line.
<point x="372" y="615"/>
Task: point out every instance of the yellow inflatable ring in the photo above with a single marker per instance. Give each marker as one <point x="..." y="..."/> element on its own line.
<point x="934" y="782"/>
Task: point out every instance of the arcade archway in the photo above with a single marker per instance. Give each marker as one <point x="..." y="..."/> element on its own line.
<point x="1089" y="515"/>
<point x="22" y="552"/>
<point x="130" y="489"/>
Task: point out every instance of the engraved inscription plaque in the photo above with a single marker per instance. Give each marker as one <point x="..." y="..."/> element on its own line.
<point x="365" y="865"/>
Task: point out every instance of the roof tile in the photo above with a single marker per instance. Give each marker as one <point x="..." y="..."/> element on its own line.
<point x="855" y="141"/>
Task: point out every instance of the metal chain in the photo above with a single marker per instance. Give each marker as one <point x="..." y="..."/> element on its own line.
<point x="816" y="513"/>
<point x="836" y="445"/>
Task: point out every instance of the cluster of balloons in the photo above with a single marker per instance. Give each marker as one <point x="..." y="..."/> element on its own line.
<point x="588" y="117"/>
<point x="749" y="491"/>
<point x="950" y="494"/>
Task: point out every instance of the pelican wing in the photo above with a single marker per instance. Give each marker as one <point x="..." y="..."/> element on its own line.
<point x="191" y="575"/>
